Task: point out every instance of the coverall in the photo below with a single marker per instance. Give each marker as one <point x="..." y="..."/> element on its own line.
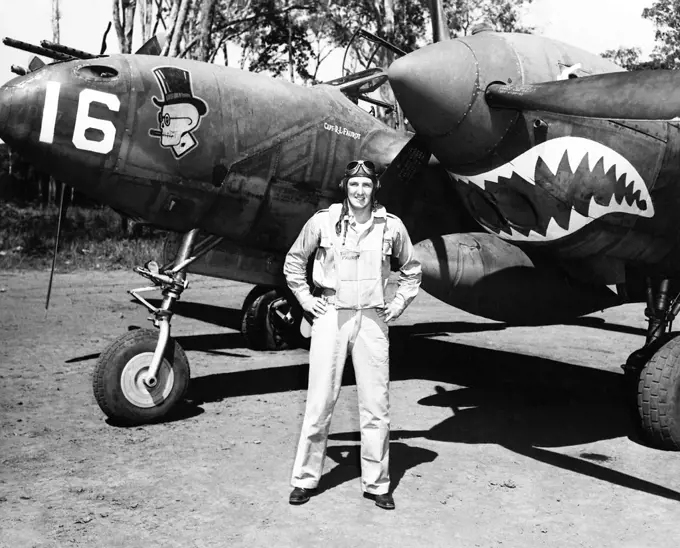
<point x="351" y="272"/>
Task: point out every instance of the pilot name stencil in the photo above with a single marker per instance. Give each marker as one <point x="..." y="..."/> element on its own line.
<point x="341" y="130"/>
<point x="180" y="111"/>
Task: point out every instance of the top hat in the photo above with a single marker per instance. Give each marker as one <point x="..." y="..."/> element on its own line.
<point x="175" y="83"/>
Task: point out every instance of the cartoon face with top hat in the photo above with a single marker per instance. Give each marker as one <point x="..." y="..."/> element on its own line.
<point x="180" y="111"/>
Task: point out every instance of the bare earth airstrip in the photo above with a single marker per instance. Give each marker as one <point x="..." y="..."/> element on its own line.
<point x="514" y="437"/>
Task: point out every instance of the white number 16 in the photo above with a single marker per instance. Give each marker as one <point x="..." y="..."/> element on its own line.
<point x="83" y="119"/>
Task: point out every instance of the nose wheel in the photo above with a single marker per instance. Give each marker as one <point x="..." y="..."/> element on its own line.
<point x="143" y="374"/>
<point x="121" y="373"/>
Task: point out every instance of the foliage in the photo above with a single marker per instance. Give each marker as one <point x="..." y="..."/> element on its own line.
<point x="665" y="14"/>
<point x="297" y="35"/>
<point x="501" y="15"/>
<point x="90" y="238"/>
<point x="628" y="58"/>
<point x="279" y="38"/>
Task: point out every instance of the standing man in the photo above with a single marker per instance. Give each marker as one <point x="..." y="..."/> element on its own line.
<point x="354" y="242"/>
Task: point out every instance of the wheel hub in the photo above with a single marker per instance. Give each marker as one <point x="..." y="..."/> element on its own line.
<point x="136" y="391"/>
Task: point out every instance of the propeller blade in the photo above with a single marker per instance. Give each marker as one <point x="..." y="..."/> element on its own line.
<point x="153" y="46"/>
<point x="106" y="32"/>
<point x="402" y="171"/>
<point x="62" y="211"/>
<point x="638" y="95"/>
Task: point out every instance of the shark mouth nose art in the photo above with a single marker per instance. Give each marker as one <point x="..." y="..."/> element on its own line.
<point x="596" y="181"/>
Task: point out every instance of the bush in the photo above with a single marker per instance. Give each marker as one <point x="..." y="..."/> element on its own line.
<point x="90" y="238"/>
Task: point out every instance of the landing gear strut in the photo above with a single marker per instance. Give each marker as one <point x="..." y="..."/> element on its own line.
<point x="141" y="375"/>
<point x="144" y="373"/>
<point x="653" y="371"/>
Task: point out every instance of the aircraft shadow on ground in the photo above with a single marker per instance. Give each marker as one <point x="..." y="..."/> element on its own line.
<point x="601" y="323"/>
<point x="209" y="313"/>
<point x="524" y="403"/>
<point x="217" y="315"/>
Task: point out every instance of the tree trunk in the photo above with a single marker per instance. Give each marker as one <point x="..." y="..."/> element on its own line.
<point x="171" y="24"/>
<point x="206" y="18"/>
<point x="178" y="31"/>
<point x="56" y="16"/>
<point x="388" y="27"/>
<point x="146" y="12"/>
<point x="124" y="21"/>
<point x="291" y="65"/>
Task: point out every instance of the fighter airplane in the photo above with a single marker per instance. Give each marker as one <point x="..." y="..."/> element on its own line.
<point x="539" y="177"/>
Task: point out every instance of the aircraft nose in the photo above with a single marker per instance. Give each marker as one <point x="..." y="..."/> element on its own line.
<point x="436" y="86"/>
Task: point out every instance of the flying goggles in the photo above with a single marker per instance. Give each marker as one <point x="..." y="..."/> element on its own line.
<point x="366" y="166"/>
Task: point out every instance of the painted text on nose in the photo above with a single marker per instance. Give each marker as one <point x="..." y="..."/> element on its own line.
<point x="83" y="119"/>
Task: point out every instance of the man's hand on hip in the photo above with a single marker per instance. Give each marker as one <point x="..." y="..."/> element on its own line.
<point x="391" y="311"/>
<point x="316" y="307"/>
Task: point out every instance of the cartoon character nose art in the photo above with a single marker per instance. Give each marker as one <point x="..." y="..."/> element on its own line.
<point x="585" y="179"/>
<point x="180" y="111"/>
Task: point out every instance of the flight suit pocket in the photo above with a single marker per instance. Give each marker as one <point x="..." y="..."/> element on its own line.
<point x="324" y="264"/>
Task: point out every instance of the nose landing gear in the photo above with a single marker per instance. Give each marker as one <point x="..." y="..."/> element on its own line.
<point x="143" y="374"/>
<point x="140" y="377"/>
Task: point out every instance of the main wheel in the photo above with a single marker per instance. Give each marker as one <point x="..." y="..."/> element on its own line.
<point x="268" y="321"/>
<point x="118" y="380"/>
<point x="658" y="396"/>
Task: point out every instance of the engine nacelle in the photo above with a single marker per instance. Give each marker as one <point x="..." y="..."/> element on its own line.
<point x="486" y="276"/>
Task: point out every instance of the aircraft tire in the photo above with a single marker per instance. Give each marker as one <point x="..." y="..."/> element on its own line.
<point x="256" y="326"/>
<point x="658" y="397"/>
<point x="117" y="379"/>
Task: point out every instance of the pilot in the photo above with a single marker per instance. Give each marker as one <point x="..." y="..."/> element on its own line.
<point x="353" y="242"/>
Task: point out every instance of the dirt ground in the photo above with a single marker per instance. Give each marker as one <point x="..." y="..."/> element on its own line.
<point x="500" y="436"/>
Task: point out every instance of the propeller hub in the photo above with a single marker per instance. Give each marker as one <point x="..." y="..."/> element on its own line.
<point x="441" y="91"/>
<point x="436" y="86"/>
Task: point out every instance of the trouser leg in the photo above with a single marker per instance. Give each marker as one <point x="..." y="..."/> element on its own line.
<point x="370" y="355"/>
<point x="327" y="355"/>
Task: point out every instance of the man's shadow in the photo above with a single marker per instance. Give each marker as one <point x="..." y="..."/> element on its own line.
<point x="402" y="458"/>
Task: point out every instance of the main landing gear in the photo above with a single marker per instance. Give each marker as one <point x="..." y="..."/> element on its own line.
<point x="653" y="371"/>
<point x="143" y="374"/>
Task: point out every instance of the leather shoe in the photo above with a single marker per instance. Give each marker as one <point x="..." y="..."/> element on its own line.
<point x="384" y="501"/>
<point x="300" y="495"/>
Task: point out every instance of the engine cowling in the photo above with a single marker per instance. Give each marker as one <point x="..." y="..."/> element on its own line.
<point x="486" y="276"/>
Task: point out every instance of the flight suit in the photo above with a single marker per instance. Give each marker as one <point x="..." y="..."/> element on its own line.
<point x="350" y="271"/>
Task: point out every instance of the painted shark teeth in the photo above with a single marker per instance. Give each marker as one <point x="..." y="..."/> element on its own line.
<point x="552" y="232"/>
<point x="576" y="149"/>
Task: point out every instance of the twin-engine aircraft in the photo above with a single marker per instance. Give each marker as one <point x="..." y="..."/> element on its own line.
<point x="538" y="178"/>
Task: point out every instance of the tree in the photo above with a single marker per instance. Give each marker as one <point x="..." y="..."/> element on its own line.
<point x="276" y="37"/>
<point x="176" y="33"/>
<point x="124" y="22"/>
<point x="146" y="13"/>
<point x="628" y="58"/>
<point x="501" y="15"/>
<point x="665" y="14"/>
<point x="207" y="8"/>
